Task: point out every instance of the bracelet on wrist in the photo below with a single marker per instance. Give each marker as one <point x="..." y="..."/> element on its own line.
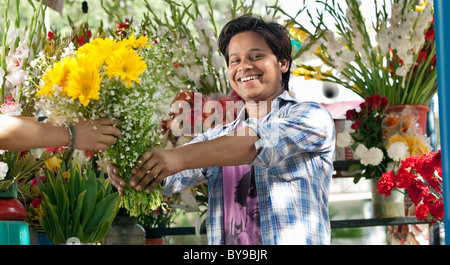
<point x="72" y="136"/>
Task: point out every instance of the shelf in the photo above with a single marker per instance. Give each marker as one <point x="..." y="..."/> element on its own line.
<point x="343" y="165"/>
<point x="176" y="231"/>
<point x="376" y="222"/>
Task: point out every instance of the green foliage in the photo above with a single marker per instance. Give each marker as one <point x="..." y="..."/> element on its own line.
<point x="21" y="169"/>
<point x="83" y="207"/>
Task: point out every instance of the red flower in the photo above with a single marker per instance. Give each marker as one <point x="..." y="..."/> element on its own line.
<point x="417" y="191"/>
<point x="376" y="101"/>
<point x="36" y="202"/>
<point x="386" y="183"/>
<point x="122" y="28"/>
<point x="50" y="35"/>
<point x="425" y="167"/>
<point x="422" y="211"/>
<point x="404" y="178"/>
<point x="355" y="125"/>
<point x="54" y="149"/>
<point x="419" y="176"/>
<point x="384" y="102"/>
<point x="34" y="181"/>
<point x="351" y="114"/>
<point x="437" y="210"/>
<point x="430" y="33"/>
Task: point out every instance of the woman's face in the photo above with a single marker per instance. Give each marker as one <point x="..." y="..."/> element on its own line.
<point x="254" y="71"/>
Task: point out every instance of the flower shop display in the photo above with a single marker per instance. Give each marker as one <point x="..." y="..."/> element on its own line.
<point x="421" y="177"/>
<point x="366" y="138"/>
<point x="118" y="79"/>
<point x="392" y="56"/>
<point x="78" y="204"/>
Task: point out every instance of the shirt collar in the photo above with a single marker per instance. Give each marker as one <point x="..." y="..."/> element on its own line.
<point x="285" y="96"/>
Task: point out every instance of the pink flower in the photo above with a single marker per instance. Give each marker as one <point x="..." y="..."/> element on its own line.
<point x="11" y="108"/>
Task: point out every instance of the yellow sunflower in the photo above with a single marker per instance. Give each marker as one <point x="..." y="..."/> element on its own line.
<point x="84" y="80"/>
<point x="57" y="75"/>
<point x="138" y="43"/>
<point x="126" y="64"/>
<point x="98" y="48"/>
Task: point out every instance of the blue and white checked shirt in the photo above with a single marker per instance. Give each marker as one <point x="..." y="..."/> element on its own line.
<point x="292" y="170"/>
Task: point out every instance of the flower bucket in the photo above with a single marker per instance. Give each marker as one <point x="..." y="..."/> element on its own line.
<point x="11" y="209"/>
<point x="421" y="111"/>
<point x="125" y="230"/>
<point x="154" y="241"/>
<point x="386" y="207"/>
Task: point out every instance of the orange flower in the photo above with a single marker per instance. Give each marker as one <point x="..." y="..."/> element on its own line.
<point x="407" y="122"/>
<point x="391" y="121"/>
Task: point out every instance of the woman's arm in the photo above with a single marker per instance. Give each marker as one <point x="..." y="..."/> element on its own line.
<point x="22" y="133"/>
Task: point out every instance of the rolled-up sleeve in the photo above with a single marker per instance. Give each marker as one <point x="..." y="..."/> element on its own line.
<point x="305" y="127"/>
<point x="191" y="177"/>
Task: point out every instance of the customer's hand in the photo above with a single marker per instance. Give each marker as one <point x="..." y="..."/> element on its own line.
<point x="95" y="134"/>
<point x="153" y="166"/>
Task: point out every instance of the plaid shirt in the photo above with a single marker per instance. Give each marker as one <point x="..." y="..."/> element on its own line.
<point x="292" y="170"/>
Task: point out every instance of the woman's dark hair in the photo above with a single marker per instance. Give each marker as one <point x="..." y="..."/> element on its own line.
<point x="276" y="36"/>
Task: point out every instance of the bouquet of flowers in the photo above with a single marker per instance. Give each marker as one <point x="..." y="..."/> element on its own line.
<point x="118" y="79"/>
<point x="366" y="138"/>
<point x="381" y="140"/>
<point x="394" y="57"/>
<point x="421" y="176"/>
